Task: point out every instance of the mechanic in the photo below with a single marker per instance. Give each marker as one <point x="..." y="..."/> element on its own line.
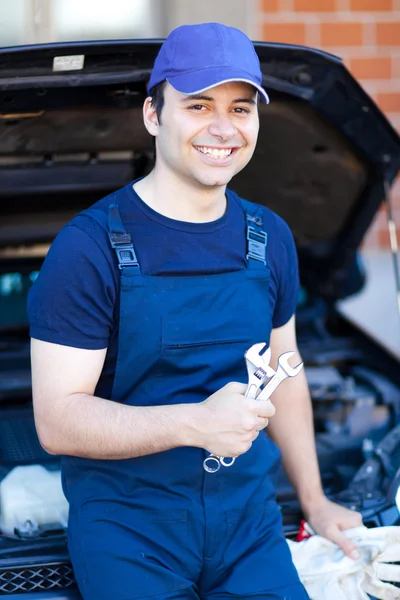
<point x="140" y="318"/>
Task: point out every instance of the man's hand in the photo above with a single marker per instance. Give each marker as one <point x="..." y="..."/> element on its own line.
<point x="328" y="520"/>
<point x="227" y="423"/>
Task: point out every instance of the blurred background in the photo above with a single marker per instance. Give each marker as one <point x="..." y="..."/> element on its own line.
<point x="365" y="33"/>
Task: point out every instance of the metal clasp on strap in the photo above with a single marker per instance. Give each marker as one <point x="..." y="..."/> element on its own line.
<point x="122" y="244"/>
<point x="256" y="245"/>
<point x="257" y="220"/>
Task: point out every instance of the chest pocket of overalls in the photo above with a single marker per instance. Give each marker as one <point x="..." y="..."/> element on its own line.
<point x="202" y="329"/>
<point x="201" y="348"/>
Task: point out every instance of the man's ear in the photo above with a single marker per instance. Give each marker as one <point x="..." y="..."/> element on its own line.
<point x="150" y="117"/>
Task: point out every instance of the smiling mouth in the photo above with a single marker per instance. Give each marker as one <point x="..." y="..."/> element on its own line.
<point x="215" y="152"/>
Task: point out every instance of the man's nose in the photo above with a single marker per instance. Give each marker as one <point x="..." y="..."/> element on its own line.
<point x="222" y="127"/>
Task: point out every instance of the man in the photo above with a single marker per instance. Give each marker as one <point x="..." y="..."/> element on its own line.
<point x="140" y="319"/>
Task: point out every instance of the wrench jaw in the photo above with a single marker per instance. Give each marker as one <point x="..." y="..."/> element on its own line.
<point x="283" y="363"/>
<point x="253" y="354"/>
<point x="258" y="364"/>
<point x="254" y="359"/>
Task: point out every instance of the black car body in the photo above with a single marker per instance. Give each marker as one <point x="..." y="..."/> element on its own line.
<point x="71" y="131"/>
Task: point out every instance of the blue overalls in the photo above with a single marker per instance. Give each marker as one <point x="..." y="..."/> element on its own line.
<point x="159" y="526"/>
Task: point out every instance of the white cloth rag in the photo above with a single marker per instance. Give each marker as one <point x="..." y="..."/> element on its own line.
<point x="328" y="574"/>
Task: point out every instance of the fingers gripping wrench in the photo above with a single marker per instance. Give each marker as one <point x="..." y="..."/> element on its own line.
<point x="259" y="371"/>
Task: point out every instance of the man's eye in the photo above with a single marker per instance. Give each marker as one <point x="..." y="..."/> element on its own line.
<point x="239" y="110"/>
<point x="197" y="107"/>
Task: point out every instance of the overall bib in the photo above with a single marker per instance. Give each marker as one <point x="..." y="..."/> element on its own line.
<point x="160" y="526"/>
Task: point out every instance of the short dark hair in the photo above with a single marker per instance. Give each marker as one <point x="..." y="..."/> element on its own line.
<point x="157" y="98"/>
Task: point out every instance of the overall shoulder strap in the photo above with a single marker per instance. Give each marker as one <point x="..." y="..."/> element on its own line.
<point x="256" y="237"/>
<point x="120" y="240"/>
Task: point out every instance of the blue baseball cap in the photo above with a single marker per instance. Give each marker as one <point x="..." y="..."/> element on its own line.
<point x="195" y="58"/>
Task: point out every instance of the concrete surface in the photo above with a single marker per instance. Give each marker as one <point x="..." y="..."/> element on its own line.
<point x="374" y="310"/>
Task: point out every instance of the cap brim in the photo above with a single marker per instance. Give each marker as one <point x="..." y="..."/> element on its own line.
<point x="200" y="81"/>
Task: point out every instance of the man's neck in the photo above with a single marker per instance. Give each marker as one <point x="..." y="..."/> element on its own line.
<point x="180" y="200"/>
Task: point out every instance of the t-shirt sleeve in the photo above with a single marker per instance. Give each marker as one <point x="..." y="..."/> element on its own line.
<point x="72" y="301"/>
<point x="288" y="275"/>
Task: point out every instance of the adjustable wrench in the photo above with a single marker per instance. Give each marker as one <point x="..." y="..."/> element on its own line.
<point x="283" y="371"/>
<point x="258" y="368"/>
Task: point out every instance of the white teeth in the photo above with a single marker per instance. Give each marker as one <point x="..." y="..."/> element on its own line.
<point x="215" y="152"/>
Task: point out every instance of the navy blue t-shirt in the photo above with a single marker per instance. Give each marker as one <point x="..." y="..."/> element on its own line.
<point x="75" y="299"/>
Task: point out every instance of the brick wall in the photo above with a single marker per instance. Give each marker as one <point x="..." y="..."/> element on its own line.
<point x="366" y="34"/>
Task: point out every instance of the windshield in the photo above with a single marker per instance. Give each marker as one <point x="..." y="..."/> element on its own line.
<point x="25" y="22"/>
<point x="14" y="289"/>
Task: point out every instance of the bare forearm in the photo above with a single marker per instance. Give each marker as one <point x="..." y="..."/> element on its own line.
<point x="91" y="427"/>
<point x="293" y="431"/>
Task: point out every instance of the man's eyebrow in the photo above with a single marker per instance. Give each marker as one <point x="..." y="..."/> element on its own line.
<point x="247" y="100"/>
<point x="197" y="97"/>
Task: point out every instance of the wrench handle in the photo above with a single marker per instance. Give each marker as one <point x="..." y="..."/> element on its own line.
<point x="269" y="389"/>
<point x="252" y="390"/>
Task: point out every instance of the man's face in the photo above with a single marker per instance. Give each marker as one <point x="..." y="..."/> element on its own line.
<point x="207" y="138"/>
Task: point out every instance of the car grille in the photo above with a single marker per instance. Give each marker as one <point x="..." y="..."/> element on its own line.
<point x="35" y="578"/>
<point x="19" y="443"/>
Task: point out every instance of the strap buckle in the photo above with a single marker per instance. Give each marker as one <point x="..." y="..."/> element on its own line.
<point x="256" y="245"/>
<point x="122" y="244"/>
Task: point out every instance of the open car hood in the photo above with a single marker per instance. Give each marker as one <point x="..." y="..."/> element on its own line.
<point x="71" y="131"/>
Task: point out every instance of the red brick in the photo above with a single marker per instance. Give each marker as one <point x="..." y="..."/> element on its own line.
<point x="290" y="33"/>
<point x="389" y="102"/>
<point x="371" y="68"/>
<point x="315" y="5"/>
<point x="395" y="67"/>
<point x="368" y="5"/>
<point x="388" y="34"/>
<point x="270" y="5"/>
<point x="341" y="34"/>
